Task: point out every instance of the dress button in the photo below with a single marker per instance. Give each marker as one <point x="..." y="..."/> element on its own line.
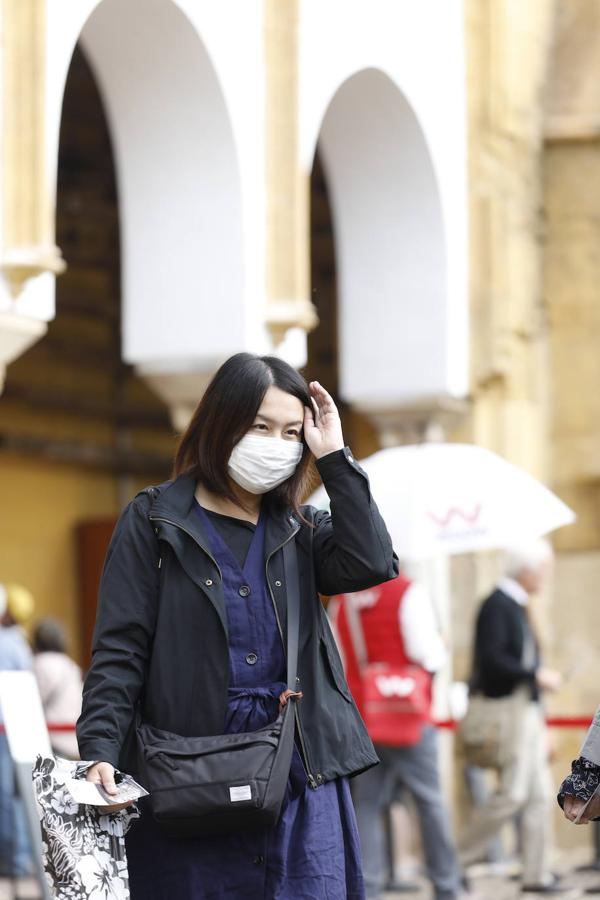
<point x="244" y="591"/>
<point x="208" y="582"/>
<point x="277" y="584"/>
<point x="319" y="779"/>
<point x="258" y="860"/>
<point x="252" y="659"/>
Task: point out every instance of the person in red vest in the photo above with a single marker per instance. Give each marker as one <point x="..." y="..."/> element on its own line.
<point x="389" y="638"/>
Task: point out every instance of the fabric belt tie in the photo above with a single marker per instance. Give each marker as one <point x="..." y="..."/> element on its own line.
<point x="285" y="696"/>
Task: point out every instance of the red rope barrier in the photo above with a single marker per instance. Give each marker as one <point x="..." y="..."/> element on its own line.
<point x="551" y="722"/>
<point x="447" y="724"/>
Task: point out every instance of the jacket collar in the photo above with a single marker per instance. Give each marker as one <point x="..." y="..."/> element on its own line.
<point x="175" y="503"/>
<point x="514" y="590"/>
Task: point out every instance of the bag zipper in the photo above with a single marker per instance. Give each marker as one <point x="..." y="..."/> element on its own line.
<point x="170" y="754"/>
<point x="311" y="778"/>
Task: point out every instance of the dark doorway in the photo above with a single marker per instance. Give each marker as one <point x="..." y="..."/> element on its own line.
<point x="323" y="362"/>
<point x="71" y="398"/>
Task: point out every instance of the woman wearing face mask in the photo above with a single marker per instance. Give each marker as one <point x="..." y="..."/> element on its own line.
<point x="196" y="638"/>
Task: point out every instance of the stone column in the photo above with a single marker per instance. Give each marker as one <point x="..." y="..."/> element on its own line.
<point x="508" y="48"/>
<point x="572" y="264"/>
<point x="572" y="295"/>
<point x="288" y="188"/>
<point x="508" y="54"/>
<point x="27" y="197"/>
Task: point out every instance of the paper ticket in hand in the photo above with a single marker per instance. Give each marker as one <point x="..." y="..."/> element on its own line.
<point x="94" y="794"/>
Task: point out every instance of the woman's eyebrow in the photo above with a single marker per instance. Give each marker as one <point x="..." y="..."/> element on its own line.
<point x="274" y="421"/>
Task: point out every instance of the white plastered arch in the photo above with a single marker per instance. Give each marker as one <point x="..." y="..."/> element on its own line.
<point x="390" y="245"/>
<point x="179" y="185"/>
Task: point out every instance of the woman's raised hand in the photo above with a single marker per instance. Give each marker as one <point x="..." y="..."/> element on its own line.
<point x="322" y="426"/>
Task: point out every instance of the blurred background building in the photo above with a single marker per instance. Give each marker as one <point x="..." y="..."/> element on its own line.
<point x="400" y="197"/>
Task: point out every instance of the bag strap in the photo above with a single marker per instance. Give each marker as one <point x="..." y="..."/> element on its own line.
<point x="356" y="632"/>
<point x="290" y="565"/>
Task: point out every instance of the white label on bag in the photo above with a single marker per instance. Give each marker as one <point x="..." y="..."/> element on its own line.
<point x="244" y="792"/>
<point x="395" y="686"/>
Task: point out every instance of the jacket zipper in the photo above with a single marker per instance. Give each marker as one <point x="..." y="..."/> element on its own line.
<point x="185" y="531"/>
<point x="311" y="778"/>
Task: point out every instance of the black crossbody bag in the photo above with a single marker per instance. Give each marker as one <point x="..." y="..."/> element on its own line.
<point x="229" y="782"/>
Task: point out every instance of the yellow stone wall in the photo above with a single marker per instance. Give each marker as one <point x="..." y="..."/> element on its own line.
<point x="42" y="503"/>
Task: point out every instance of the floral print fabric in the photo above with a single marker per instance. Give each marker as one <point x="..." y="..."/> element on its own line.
<point x="582" y="782"/>
<point x="83" y="849"/>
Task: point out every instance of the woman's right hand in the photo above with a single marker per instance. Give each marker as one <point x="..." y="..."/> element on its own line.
<point x="573" y="807"/>
<point x="104" y="773"/>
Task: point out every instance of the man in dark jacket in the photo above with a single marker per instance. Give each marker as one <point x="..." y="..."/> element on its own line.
<point x="507" y="664"/>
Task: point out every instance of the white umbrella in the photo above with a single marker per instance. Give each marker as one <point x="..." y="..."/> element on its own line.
<point x="443" y="499"/>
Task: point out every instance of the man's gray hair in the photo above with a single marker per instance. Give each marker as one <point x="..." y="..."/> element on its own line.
<point x="527" y="557"/>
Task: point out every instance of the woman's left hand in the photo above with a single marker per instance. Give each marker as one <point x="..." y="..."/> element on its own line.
<point x="322" y="426"/>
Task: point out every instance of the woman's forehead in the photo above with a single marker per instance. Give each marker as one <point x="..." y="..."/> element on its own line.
<point x="277" y="404"/>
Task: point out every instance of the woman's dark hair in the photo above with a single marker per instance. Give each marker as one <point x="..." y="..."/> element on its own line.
<point x="49" y="636"/>
<point x="224" y="415"/>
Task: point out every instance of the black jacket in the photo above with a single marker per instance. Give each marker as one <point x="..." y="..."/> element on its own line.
<point x="500" y="634"/>
<point x="161" y="627"/>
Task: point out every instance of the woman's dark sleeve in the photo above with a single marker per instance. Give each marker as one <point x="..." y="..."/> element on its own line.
<point x="123" y="634"/>
<point x="352" y="548"/>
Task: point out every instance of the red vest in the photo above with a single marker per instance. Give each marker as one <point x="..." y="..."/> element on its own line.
<point x="380" y="619"/>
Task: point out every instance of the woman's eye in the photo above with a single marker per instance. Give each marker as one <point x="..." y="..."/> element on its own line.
<point x="293" y="432"/>
<point x="260" y="426"/>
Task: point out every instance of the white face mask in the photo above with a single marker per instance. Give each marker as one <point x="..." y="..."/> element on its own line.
<point x="258" y="464"/>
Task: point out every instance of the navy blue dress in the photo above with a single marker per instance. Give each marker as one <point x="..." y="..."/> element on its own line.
<point x="313" y="853"/>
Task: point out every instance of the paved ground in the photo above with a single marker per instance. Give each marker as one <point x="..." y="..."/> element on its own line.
<point x="483" y="889"/>
<point x="487" y="888"/>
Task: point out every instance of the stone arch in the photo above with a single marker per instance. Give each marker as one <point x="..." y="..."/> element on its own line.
<point x="178" y="182"/>
<point x="393" y="328"/>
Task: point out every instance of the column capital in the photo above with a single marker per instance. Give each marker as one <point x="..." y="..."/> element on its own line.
<point x="180" y="391"/>
<point x="17" y="334"/>
<point x="418" y="422"/>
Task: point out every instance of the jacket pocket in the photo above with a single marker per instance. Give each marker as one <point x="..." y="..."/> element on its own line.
<point x="333" y="666"/>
